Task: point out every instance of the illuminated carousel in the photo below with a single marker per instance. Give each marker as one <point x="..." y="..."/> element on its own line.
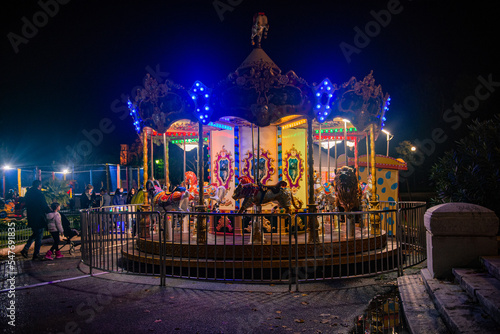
<point x="270" y="137"/>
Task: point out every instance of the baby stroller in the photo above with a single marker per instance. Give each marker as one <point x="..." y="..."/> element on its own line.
<point x="69" y="233"/>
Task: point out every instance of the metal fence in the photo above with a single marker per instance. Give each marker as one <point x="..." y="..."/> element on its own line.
<point x="267" y="248"/>
<point x="18" y="228"/>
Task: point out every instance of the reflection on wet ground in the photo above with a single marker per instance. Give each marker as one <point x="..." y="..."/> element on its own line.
<point x="383" y="315"/>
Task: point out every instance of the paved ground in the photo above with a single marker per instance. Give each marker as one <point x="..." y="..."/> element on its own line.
<point x="60" y="297"/>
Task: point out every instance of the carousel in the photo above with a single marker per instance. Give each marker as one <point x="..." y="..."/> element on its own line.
<point x="270" y="139"/>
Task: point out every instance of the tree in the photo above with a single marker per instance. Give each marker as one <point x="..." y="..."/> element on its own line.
<point x="470" y="172"/>
<point x="405" y="152"/>
<point x="56" y="190"/>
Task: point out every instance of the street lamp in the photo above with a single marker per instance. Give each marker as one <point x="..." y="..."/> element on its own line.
<point x="65" y="171"/>
<point x="413" y="148"/>
<point x="389" y="137"/>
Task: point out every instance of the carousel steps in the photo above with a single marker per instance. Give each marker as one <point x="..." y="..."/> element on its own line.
<point x="387" y="255"/>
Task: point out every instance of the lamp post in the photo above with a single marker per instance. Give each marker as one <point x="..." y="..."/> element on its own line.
<point x="389" y="137"/>
<point x="4" y="168"/>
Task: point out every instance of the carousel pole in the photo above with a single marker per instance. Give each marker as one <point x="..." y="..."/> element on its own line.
<point x="152" y="159"/>
<point x="356" y="162"/>
<point x="320" y="152"/>
<point x="184" y="168"/>
<point x="165" y="157"/>
<point x="335" y="154"/>
<point x="201" y="226"/>
<point x="374" y="203"/>
<point x="328" y="177"/>
<point x="145" y="221"/>
<point x="345" y="143"/>
<point x="312" y="221"/>
<point x="256" y="231"/>
<point x="367" y="158"/>
<point x="258" y="155"/>
<point x="253" y="158"/>
<point x="145" y="162"/>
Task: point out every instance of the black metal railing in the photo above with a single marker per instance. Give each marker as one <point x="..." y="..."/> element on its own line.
<point x="264" y="247"/>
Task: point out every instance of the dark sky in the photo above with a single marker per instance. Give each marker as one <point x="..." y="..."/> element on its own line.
<point x="70" y="74"/>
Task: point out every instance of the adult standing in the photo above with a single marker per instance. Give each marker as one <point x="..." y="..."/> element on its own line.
<point x="119" y="198"/>
<point x="130" y="195"/>
<point x="105" y="198"/>
<point x="88" y="198"/>
<point x="37" y="207"/>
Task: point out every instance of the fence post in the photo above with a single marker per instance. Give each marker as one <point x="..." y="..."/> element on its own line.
<point x="162" y="241"/>
<point x="88" y="229"/>
<point x="399" y="243"/>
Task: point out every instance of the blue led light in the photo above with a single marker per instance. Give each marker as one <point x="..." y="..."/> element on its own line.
<point x="324" y="98"/>
<point x="200" y="95"/>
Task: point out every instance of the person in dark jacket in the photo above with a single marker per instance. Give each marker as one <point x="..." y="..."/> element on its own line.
<point x="119" y="198"/>
<point x="130" y="195"/>
<point x="88" y="198"/>
<point x="37" y="207"/>
<point x="105" y="198"/>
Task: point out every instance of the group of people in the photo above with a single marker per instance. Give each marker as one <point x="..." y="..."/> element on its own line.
<point x="41" y="216"/>
<point x="89" y="199"/>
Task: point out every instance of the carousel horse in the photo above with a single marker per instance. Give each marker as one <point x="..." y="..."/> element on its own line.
<point x="260" y="194"/>
<point x="211" y="192"/>
<point x="326" y="196"/>
<point x="366" y="189"/>
<point x="259" y="28"/>
<point x="177" y="200"/>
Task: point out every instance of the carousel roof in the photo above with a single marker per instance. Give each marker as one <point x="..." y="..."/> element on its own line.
<point x="258" y="93"/>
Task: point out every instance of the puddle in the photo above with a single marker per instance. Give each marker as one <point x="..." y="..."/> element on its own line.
<point x="383" y="315"/>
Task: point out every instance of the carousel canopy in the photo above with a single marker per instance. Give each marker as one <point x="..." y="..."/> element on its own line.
<point x="258" y="93"/>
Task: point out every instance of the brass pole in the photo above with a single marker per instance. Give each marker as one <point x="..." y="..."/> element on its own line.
<point x="145" y="162"/>
<point x="372" y="158"/>
<point x="201" y="226"/>
<point x="345" y="144"/>
<point x="312" y="221"/>
<point x="145" y="154"/>
<point x="152" y="158"/>
<point x="165" y="157"/>
<point x="374" y="203"/>
<point x="320" y="152"/>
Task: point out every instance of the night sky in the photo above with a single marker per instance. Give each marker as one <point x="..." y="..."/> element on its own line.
<point x="68" y="78"/>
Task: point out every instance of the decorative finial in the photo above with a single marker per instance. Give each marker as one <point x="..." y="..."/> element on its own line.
<point x="259" y="28"/>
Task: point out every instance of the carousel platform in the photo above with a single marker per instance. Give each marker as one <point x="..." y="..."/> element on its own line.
<point x="275" y="250"/>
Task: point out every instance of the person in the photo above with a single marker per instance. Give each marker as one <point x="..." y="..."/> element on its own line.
<point x="54" y="225"/>
<point x="130" y="195"/>
<point x="87" y="199"/>
<point x="119" y="198"/>
<point x="37" y="207"/>
<point x="105" y="198"/>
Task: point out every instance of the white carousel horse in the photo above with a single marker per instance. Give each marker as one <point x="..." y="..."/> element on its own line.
<point x="178" y="200"/>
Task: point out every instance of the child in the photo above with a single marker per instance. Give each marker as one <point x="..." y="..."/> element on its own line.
<point x="55" y="228"/>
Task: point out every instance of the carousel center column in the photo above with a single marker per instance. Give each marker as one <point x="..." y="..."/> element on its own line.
<point x="312" y="220"/>
<point x="201" y="225"/>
